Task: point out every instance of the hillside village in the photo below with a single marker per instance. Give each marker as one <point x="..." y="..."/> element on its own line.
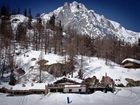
<point x="95" y="70"/>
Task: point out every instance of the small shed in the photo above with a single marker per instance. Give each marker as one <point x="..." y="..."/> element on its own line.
<point x="131" y="63"/>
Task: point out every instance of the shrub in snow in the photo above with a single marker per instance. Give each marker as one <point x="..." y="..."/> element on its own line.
<point x="132" y="82"/>
<point x="33" y="59"/>
<point x="121" y="85"/>
<point x="20" y="71"/>
<point x="42" y="62"/>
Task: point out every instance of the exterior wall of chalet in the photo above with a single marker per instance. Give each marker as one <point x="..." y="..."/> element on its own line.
<point x="37" y="91"/>
<point x="26" y="92"/>
<point x="54" y="88"/>
<point x="129" y="64"/>
<point x="19" y="92"/>
<point x="75" y="89"/>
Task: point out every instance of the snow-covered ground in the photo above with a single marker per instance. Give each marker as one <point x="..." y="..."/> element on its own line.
<point x="97" y="66"/>
<point x="92" y="66"/>
<point x="122" y="96"/>
<point x="25" y="62"/>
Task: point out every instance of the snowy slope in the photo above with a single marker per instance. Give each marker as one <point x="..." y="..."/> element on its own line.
<point x="123" y="96"/>
<point x="77" y="16"/>
<point x="92" y="66"/>
<point x="97" y="66"/>
<point x="24" y="61"/>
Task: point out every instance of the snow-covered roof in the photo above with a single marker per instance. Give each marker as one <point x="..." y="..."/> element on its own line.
<point x="76" y="80"/>
<point x="71" y="86"/>
<point x="131" y="60"/>
<point x="38" y="86"/>
<point x="71" y="79"/>
<point x="28" y="86"/>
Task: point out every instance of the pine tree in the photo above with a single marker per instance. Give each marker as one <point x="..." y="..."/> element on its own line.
<point x="29" y="24"/>
<point x="40" y="30"/>
<point x="80" y="74"/>
<point x="12" y="78"/>
<point x="25" y="12"/>
<point x="139" y="42"/>
<point x="3" y="69"/>
<point x="29" y="12"/>
<point x="21" y="32"/>
<point x="4" y="11"/>
<point x="51" y="22"/>
<point x="5" y="27"/>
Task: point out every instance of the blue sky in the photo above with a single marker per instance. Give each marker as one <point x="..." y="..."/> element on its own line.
<point x="126" y="12"/>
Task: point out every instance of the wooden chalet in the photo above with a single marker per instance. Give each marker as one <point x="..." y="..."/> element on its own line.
<point x="131" y="63"/>
<point x="66" y="85"/>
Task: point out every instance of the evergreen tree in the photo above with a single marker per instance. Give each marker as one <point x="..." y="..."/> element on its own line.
<point x="5" y="27"/>
<point x="3" y="69"/>
<point x="4" y="11"/>
<point x="25" y="12"/>
<point x="12" y="78"/>
<point x="51" y="22"/>
<point x="29" y="12"/>
<point x="139" y="42"/>
<point x="80" y="74"/>
<point x="29" y="24"/>
<point x="21" y="33"/>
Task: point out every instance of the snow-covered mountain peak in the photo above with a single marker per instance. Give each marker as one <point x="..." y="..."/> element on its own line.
<point x="76" y="16"/>
<point x="75" y="7"/>
<point x="75" y="3"/>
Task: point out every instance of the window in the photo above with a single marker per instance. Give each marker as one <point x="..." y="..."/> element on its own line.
<point x="70" y="90"/>
<point x="79" y="90"/>
<point x="60" y="90"/>
<point x="52" y="90"/>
